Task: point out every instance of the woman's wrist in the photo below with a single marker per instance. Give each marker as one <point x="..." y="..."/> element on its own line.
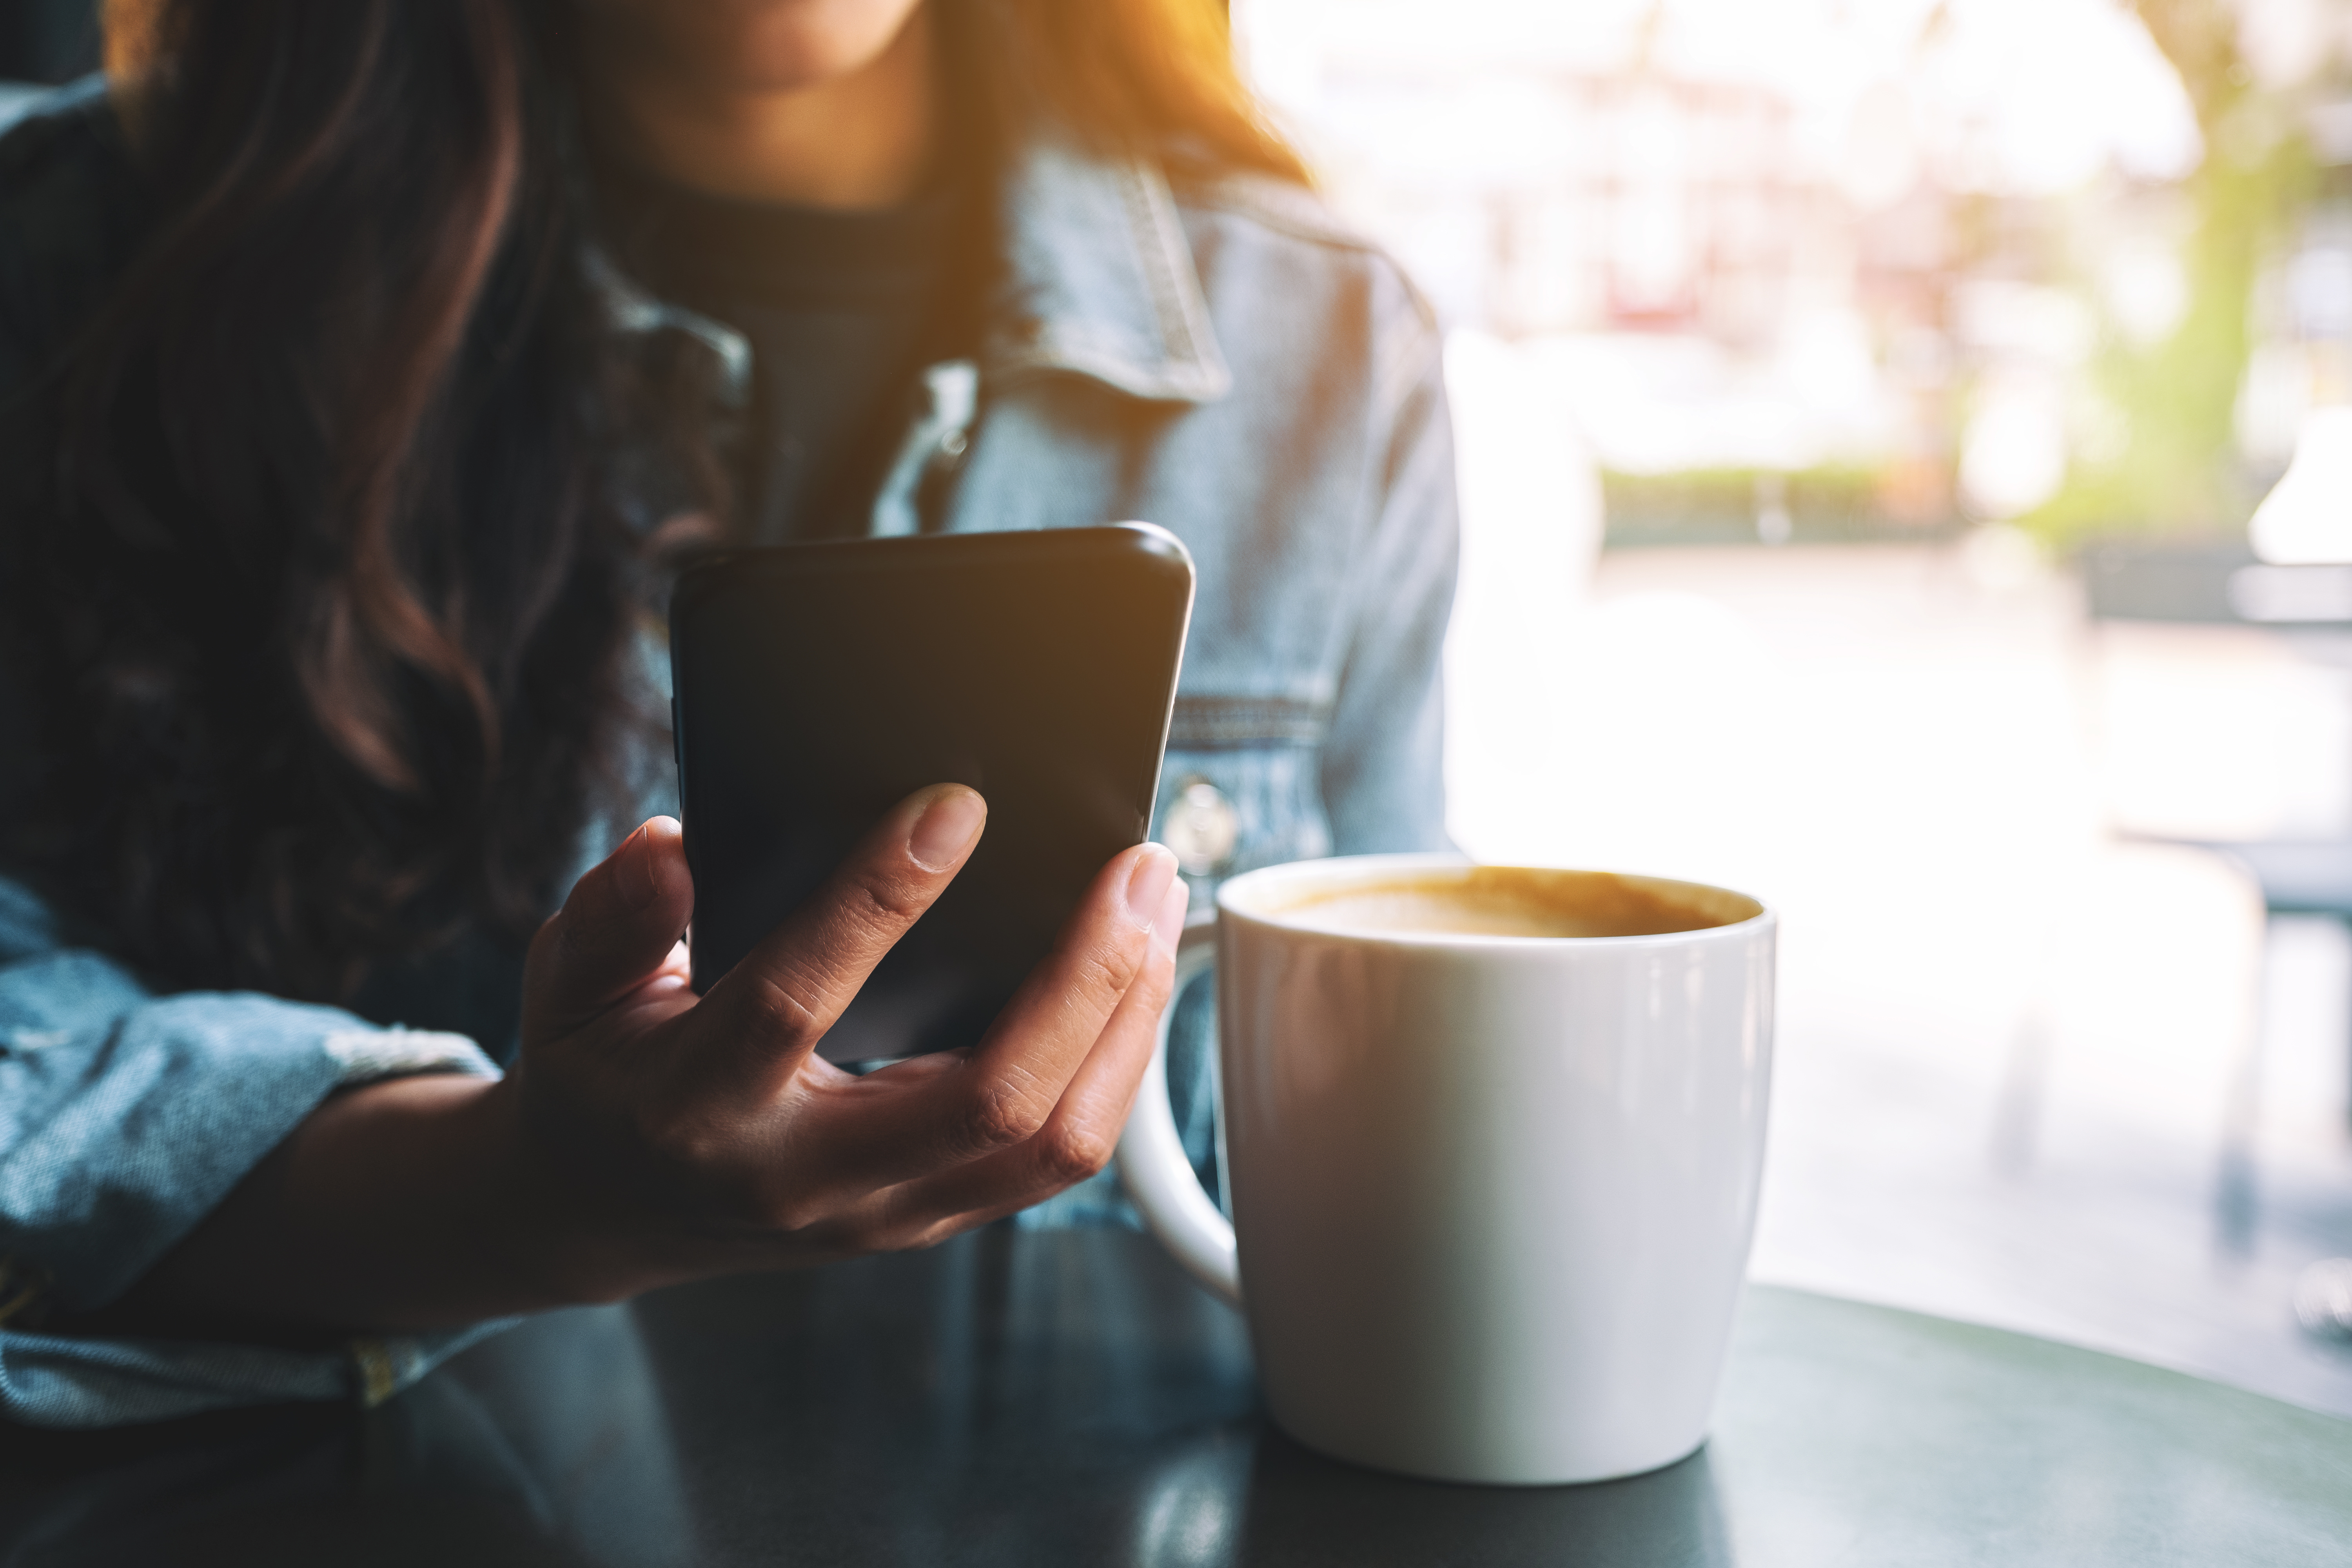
<point x="576" y="1228"/>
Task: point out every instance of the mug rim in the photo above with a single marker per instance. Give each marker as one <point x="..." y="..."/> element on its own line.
<point x="1370" y="866"/>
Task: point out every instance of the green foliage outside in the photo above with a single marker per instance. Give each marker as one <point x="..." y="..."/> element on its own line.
<point x="2177" y="471"/>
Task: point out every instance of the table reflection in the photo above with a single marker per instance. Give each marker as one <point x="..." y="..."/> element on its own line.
<point x="1303" y="1509"/>
<point x="1009" y="1398"/>
<point x="552" y="1449"/>
<point x="1253" y="1497"/>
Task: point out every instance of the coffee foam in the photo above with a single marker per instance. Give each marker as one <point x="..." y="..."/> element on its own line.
<point x="1517" y="901"/>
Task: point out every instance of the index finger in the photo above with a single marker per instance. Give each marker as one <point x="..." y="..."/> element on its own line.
<point x="780" y="997"/>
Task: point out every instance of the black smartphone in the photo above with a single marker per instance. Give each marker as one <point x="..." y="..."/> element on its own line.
<point x="817" y="685"/>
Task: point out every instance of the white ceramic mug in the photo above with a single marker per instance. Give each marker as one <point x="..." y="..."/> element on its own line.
<point x="1493" y="1194"/>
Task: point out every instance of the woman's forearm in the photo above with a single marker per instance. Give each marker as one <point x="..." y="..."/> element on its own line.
<point x="410" y="1204"/>
<point x="650" y="1136"/>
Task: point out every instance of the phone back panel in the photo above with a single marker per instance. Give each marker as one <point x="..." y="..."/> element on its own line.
<point x="817" y="685"/>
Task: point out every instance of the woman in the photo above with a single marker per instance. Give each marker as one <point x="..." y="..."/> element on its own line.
<point x="362" y="366"/>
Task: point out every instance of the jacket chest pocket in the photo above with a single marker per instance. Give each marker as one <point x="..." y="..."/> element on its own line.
<point x="1242" y="786"/>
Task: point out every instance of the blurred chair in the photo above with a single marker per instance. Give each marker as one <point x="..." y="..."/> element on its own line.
<point x="2227" y="585"/>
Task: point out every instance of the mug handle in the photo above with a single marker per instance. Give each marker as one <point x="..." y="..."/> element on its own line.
<point x="1152" y="1165"/>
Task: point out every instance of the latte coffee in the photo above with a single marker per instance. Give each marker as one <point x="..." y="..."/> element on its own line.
<point x="1515" y="900"/>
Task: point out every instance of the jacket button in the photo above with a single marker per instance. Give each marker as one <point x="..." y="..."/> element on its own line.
<point x="1202" y="827"/>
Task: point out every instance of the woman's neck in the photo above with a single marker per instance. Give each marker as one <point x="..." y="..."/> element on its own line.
<point x="861" y="138"/>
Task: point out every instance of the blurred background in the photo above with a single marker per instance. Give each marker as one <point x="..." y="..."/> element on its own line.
<point x="1863" y="410"/>
<point x="1869" y="414"/>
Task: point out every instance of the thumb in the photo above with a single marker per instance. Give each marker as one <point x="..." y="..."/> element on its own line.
<point x="615" y="931"/>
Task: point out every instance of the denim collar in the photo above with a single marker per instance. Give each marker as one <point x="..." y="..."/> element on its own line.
<point x="1100" y="280"/>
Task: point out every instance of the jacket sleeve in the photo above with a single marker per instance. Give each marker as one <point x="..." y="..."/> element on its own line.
<point x="125" y="1118"/>
<point x="1384" y="763"/>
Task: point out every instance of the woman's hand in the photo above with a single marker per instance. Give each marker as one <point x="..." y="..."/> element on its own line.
<point x="649" y="1136"/>
<point x="705" y="1135"/>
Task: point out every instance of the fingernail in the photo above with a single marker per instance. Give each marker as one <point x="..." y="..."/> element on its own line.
<point x="640" y="877"/>
<point x="1168" y="927"/>
<point x="946" y="829"/>
<point x="1147" y="885"/>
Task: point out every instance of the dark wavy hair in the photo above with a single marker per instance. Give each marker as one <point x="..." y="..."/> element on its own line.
<point x="330" y="609"/>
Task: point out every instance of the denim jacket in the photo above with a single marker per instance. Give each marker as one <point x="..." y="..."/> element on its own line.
<point x="1227" y="362"/>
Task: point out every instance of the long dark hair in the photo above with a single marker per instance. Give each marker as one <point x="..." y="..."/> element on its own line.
<point x="330" y="609"/>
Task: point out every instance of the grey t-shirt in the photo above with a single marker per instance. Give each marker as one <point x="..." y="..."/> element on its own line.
<point x="842" y="309"/>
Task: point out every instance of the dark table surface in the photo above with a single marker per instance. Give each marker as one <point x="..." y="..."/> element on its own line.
<point x="1067" y="1397"/>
